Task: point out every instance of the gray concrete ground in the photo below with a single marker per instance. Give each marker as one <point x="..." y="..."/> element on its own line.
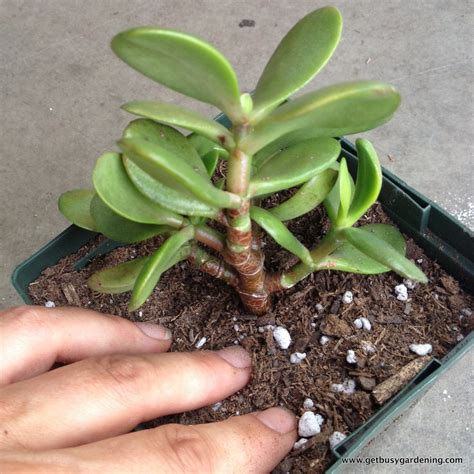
<point x="61" y="88"/>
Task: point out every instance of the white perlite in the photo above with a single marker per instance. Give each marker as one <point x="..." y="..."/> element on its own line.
<point x="410" y="284"/>
<point x="351" y="357"/>
<point x="309" y="424"/>
<point x="201" y="342"/>
<point x="319" y="308"/>
<point x="347" y="387"/>
<point x="236" y="328"/>
<point x="297" y="357"/>
<point x="323" y="340"/>
<point x="301" y="442"/>
<point x="366" y="324"/>
<point x="368" y="347"/>
<point x="358" y="323"/>
<point x="217" y="406"/>
<point x="421" y="349"/>
<point x="466" y="312"/>
<point x="347" y="297"/>
<point x="402" y="292"/>
<point x="336" y="438"/>
<point x="50" y="304"/>
<point x="308" y="404"/>
<point x="282" y="337"/>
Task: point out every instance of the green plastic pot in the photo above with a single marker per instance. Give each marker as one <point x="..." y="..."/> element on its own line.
<point x="442" y="237"/>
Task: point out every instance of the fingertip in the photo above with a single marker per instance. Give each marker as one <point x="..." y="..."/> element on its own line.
<point x="155" y="331"/>
<point x="278" y="419"/>
<point x="236" y="356"/>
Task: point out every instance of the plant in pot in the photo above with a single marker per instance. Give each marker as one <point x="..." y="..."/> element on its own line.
<point x="204" y="192"/>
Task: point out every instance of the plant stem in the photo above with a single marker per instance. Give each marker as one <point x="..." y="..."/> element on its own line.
<point x="281" y="281"/>
<point x="210" y="237"/>
<point x="239" y="252"/>
<point x="213" y="266"/>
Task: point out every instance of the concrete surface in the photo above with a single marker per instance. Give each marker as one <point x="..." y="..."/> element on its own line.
<point x="61" y="88"/>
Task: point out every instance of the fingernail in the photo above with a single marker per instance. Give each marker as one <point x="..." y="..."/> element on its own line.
<point x="155" y="331"/>
<point x="278" y="419"/>
<point x="236" y="356"/>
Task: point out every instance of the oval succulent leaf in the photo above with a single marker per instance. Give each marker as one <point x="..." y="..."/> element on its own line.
<point x="280" y="233"/>
<point x="368" y="182"/>
<point x="203" y="146"/>
<point x="333" y="111"/>
<point x="309" y="196"/>
<point x="366" y="241"/>
<point x="166" y="138"/>
<point x="118" y="228"/>
<point x="332" y="203"/>
<point x="174" y="115"/>
<point x="348" y="258"/>
<point x="156" y="265"/>
<point x="75" y="207"/>
<point x="294" y="165"/>
<point x="117" y="279"/>
<point x="183" y="63"/>
<point x="301" y="54"/>
<point x="114" y="187"/>
<point x="210" y="161"/>
<point x="346" y="190"/>
<point x="172" y="170"/>
<point x="177" y="198"/>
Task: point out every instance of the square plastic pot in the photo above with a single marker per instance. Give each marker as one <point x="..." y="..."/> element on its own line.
<point x="442" y="238"/>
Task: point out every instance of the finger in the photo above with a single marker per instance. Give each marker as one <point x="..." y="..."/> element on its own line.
<point x="102" y="397"/>
<point x="33" y="338"/>
<point x="253" y="443"/>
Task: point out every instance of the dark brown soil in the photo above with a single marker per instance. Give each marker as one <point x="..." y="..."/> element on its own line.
<point x="195" y="305"/>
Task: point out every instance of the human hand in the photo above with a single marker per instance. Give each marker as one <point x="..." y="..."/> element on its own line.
<point x="78" y="417"/>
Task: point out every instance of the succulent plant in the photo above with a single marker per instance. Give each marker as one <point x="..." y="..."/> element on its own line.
<point x="164" y="183"/>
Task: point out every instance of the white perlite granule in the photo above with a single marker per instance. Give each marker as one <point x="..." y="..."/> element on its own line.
<point x="323" y="340"/>
<point x="301" y="442"/>
<point x="351" y="357"/>
<point x="347" y="387"/>
<point x="201" y="342"/>
<point x="282" y="337"/>
<point x="50" y="304"/>
<point x="410" y="284"/>
<point x="308" y="404"/>
<point x="336" y="438"/>
<point x="368" y="347"/>
<point x="421" y="349"/>
<point x="319" y="308"/>
<point x="297" y="357"/>
<point x="309" y="424"/>
<point x="347" y="297"/>
<point x="402" y="292"/>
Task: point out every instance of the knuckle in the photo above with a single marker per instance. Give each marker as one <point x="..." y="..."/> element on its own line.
<point x="187" y="449"/>
<point x="28" y="318"/>
<point x="125" y="375"/>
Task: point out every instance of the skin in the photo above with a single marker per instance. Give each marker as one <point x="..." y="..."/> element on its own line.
<point x="78" y="417"/>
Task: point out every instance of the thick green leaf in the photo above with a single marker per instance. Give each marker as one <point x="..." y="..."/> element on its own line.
<point x="75" y="207"/>
<point x="118" y="228"/>
<point x="210" y="161"/>
<point x="156" y="265"/>
<point x="347" y="258"/>
<point x="346" y="190"/>
<point x="369" y="243"/>
<point x="173" y="171"/>
<point x="174" y="115"/>
<point x="168" y="139"/>
<point x="333" y="199"/>
<point x="301" y="54"/>
<point x="176" y="198"/>
<point x="333" y="111"/>
<point x="294" y="165"/>
<point x="114" y="187"/>
<point x="117" y="279"/>
<point x="310" y="195"/>
<point x="203" y="146"/>
<point x="280" y="233"/>
<point x="368" y="182"/>
<point x="183" y="63"/>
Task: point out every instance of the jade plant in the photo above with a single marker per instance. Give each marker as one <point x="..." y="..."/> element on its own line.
<point x="204" y="192"/>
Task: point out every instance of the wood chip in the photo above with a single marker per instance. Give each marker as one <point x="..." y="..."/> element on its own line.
<point x="71" y="295"/>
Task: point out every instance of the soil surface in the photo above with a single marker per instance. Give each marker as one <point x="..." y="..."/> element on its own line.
<point x="194" y="305"/>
